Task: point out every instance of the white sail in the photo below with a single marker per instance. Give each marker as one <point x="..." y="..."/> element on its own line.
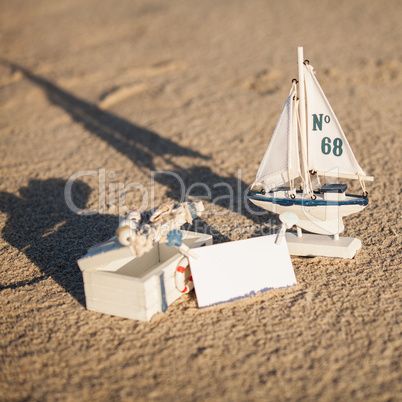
<point x="328" y="149"/>
<point x="281" y="160"/>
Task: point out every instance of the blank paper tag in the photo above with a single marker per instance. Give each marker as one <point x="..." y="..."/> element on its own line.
<point x="229" y="271"/>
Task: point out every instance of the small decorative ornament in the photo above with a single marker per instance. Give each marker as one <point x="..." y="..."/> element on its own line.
<point x="142" y="230"/>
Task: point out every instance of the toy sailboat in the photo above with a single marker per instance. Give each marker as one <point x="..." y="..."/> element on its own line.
<point x="308" y="119"/>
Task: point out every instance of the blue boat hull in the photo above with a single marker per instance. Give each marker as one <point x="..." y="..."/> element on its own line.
<point x="322" y="215"/>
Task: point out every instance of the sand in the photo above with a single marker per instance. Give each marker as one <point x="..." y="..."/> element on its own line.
<point x="116" y="90"/>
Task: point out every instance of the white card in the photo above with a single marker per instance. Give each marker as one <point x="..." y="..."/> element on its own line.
<point x="229" y="271"/>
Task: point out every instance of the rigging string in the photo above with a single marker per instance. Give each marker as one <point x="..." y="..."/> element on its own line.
<point x="363" y="185"/>
<point x="293" y="88"/>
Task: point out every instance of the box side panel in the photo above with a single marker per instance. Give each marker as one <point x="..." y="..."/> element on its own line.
<point x="162" y="295"/>
<point x="103" y="257"/>
<point x="113" y="295"/>
<point x="172" y="296"/>
<point x="141" y="266"/>
<point x="153" y="292"/>
<point x="119" y="310"/>
<point x="112" y="281"/>
<point x="123" y="291"/>
<point x="114" y="265"/>
<point x="166" y="252"/>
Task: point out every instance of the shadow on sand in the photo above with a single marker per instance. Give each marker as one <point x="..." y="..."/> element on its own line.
<point x="53" y="237"/>
<point x="142" y="146"/>
<point x="137" y="143"/>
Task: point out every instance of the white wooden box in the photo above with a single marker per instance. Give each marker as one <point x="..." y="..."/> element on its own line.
<point x="118" y="283"/>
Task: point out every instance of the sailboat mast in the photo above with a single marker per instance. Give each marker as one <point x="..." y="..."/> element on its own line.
<point x="302" y="114"/>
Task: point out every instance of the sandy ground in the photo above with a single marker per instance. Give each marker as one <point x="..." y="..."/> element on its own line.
<point x="126" y="88"/>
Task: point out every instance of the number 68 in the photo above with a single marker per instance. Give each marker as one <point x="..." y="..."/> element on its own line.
<point x="326" y="146"/>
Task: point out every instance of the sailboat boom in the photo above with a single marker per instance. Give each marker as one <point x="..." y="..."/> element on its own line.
<point x="345" y="176"/>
